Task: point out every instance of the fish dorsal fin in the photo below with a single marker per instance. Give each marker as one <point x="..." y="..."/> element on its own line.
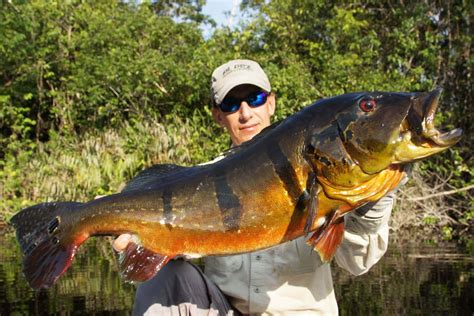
<point x="244" y="145"/>
<point x="151" y="175"/>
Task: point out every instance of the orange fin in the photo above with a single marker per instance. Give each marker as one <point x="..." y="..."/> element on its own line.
<point x="138" y="264"/>
<point x="327" y="238"/>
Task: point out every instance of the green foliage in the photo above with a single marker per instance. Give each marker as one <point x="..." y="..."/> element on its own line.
<point x="447" y="233"/>
<point x="97" y="64"/>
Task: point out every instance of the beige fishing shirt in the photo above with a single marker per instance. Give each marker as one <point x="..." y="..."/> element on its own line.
<point x="290" y="279"/>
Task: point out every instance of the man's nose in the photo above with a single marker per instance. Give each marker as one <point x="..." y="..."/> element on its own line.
<point x="245" y="111"/>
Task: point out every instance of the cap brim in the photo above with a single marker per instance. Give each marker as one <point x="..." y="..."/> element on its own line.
<point x="240" y="79"/>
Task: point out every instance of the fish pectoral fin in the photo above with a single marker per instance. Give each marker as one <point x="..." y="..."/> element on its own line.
<point x="313" y="188"/>
<point x="327" y="238"/>
<point x="139" y="264"/>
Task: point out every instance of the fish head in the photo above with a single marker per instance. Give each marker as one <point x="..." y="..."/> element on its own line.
<point x="370" y="132"/>
<point x="382" y="129"/>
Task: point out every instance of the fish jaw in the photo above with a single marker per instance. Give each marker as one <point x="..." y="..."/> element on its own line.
<point x="419" y="138"/>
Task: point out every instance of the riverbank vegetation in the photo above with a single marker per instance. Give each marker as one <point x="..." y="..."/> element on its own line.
<point x="91" y="93"/>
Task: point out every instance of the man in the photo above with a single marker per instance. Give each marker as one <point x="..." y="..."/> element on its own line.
<point x="286" y="279"/>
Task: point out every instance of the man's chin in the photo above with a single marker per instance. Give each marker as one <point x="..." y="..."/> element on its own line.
<point x="248" y="135"/>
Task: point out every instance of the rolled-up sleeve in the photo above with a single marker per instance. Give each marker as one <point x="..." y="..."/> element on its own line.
<point x="366" y="236"/>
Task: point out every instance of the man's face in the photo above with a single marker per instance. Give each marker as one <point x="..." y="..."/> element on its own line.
<point x="247" y="121"/>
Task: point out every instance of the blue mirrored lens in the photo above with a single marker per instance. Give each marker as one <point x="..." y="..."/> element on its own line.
<point x="254" y="100"/>
<point x="229" y="106"/>
<point x="257" y="99"/>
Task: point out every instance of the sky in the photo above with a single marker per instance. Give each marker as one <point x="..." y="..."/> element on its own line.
<point x="220" y="11"/>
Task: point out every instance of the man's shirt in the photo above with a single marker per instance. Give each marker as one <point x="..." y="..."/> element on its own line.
<point x="290" y="278"/>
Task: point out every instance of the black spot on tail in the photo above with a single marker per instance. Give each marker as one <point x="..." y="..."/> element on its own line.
<point x="53" y="225"/>
<point x="35" y="224"/>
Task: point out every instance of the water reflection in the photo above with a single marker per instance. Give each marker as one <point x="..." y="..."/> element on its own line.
<point x="410" y="280"/>
<point x="91" y="285"/>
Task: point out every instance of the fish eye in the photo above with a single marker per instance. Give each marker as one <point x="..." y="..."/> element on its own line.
<point x="368" y="105"/>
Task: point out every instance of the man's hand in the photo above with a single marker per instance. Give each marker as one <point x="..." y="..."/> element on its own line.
<point x="121" y="242"/>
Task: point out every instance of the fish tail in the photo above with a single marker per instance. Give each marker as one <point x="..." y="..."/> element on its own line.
<point x="46" y="258"/>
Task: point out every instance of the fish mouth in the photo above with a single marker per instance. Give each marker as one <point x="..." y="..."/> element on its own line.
<point x="419" y="136"/>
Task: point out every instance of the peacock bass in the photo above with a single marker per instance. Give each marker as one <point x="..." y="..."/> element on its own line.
<point x="298" y="177"/>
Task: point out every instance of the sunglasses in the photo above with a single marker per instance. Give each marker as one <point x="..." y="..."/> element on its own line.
<point x="256" y="99"/>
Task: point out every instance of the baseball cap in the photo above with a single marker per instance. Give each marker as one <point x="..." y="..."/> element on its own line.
<point x="234" y="73"/>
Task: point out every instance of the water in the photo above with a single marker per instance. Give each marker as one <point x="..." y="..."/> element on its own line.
<point x="90" y="286"/>
<point x="410" y="280"/>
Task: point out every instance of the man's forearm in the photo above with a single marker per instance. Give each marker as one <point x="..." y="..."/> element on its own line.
<point x="366" y="236"/>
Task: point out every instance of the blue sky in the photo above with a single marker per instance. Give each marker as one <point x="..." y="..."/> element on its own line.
<point x="220" y="11"/>
<point x="217" y="9"/>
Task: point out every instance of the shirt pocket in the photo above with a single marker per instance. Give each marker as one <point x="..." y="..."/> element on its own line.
<point x="296" y="257"/>
<point x="225" y="264"/>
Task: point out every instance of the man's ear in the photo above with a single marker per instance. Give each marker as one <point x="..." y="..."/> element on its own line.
<point x="271" y="103"/>
<point x="217" y="115"/>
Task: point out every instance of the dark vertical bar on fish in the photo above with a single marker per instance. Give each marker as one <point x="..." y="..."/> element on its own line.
<point x="228" y="203"/>
<point x="167" y="206"/>
<point x="285" y="171"/>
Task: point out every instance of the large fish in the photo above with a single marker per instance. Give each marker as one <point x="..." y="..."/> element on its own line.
<point x="298" y="177"/>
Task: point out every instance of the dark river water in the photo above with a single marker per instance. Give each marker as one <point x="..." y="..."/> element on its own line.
<point x="410" y="280"/>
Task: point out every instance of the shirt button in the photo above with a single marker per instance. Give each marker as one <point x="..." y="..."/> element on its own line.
<point x="257" y="290"/>
<point x="258" y="257"/>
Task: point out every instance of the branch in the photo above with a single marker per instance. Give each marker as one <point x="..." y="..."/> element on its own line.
<point x="469" y="187"/>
